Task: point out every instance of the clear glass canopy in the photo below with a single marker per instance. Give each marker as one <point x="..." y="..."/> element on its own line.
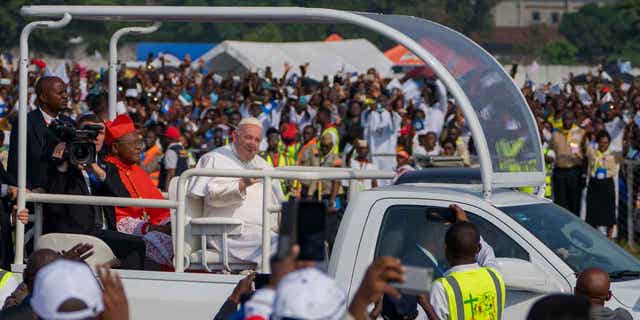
<point x="507" y="122"/>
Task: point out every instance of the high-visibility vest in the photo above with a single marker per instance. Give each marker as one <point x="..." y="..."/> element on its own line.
<point x="548" y="171"/>
<point x="150" y="155"/>
<point x="508" y="151"/>
<point x="4" y="277"/>
<point x="336" y="144"/>
<point x="477" y="294"/>
<point x="283" y="161"/>
<point x="291" y="152"/>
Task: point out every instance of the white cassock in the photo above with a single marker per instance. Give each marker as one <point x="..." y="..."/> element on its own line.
<point x="434" y="115"/>
<point x="363" y="184"/>
<point x="222" y="198"/>
<point x="302" y="120"/>
<point x="381" y="132"/>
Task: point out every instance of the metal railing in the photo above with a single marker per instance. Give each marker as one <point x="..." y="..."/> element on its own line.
<point x="630" y="170"/>
<point x="180" y="203"/>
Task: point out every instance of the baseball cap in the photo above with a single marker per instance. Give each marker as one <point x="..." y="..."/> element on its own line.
<point x="309" y="294"/>
<point x="172" y="133"/>
<point x="290" y="132"/>
<point x="61" y="281"/>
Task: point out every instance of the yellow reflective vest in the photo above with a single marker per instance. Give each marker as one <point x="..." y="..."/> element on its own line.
<point x="477" y="294"/>
<point x="548" y="168"/>
<point x="283" y="161"/>
<point x="336" y="143"/>
<point x="508" y="151"/>
<point x="4" y="277"/>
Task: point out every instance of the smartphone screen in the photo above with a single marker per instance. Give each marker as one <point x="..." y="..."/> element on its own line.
<point x="288" y="233"/>
<point x="312" y="231"/>
<point x="418" y="281"/>
<point x="303" y="223"/>
<point x="261" y="280"/>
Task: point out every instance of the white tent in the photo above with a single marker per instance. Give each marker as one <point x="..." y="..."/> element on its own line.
<point x="169" y="61"/>
<point x="325" y="58"/>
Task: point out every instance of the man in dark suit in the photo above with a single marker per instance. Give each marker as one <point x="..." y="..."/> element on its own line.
<point x="88" y="219"/>
<point x="51" y="99"/>
<point x="7" y="193"/>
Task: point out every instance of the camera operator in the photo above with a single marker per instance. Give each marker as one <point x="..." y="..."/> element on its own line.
<point x="87" y="178"/>
<point x="51" y="99"/>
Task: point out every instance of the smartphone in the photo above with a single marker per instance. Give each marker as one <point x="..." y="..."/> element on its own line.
<point x="261" y="280"/>
<point x="303" y="223"/>
<point x="418" y="281"/>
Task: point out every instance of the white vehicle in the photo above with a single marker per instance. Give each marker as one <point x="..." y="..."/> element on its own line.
<point x="539" y="246"/>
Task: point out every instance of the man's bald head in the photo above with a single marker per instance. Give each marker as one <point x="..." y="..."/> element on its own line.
<point x="38" y="260"/>
<point x="51" y="93"/>
<point x="45" y="83"/>
<point x="594" y="284"/>
<point x="462" y="242"/>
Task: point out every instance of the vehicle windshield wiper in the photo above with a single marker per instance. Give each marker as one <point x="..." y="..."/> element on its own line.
<point x="624" y="274"/>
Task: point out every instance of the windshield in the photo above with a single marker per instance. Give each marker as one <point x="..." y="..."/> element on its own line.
<point x="575" y="242"/>
<point x="502" y="110"/>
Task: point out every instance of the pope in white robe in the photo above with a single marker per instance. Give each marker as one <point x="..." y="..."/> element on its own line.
<point x="239" y="198"/>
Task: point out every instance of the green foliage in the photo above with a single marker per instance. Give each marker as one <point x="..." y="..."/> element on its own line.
<point x="559" y="52"/>
<point x="464" y="16"/>
<point x="602" y="33"/>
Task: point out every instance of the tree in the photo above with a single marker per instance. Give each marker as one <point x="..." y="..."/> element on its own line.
<point x="559" y="52"/>
<point x="470" y="17"/>
<point x="473" y="16"/>
<point x="597" y="31"/>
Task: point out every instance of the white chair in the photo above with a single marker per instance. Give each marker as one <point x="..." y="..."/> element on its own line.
<point x="197" y="228"/>
<point x="102" y="254"/>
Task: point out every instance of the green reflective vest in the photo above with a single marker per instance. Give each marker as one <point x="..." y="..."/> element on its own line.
<point x="474" y="294"/>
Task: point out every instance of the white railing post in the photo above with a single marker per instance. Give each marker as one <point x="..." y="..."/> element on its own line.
<point x="113" y="61"/>
<point x="266" y="225"/>
<point x="267" y="176"/>
<point x="22" y="121"/>
<point x="178" y="248"/>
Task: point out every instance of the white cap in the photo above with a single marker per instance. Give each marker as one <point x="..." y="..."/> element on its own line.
<point x="260" y="306"/>
<point x="63" y="280"/>
<point x="131" y="93"/>
<point x="250" y="121"/>
<point x="309" y="294"/>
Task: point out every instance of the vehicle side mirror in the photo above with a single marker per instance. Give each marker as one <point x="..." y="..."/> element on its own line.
<point x="523" y="275"/>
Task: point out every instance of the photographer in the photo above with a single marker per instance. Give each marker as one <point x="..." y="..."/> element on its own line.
<point x="86" y="179"/>
<point x="51" y="99"/>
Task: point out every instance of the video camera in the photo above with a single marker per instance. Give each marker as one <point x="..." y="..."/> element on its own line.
<point x="80" y="147"/>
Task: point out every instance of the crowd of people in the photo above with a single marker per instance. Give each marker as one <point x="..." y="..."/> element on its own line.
<point x="174" y="118"/>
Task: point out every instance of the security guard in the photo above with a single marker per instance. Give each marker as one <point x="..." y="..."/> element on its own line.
<point x="472" y="288"/>
<point x="549" y="157"/>
<point x="508" y="151"/>
<point x="276" y="157"/>
<point x="511" y="157"/>
<point x="323" y="117"/>
<point x="274" y="153"/>
<point x="175" y="160"/>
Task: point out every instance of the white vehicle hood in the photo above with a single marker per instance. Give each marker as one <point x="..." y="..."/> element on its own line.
<point x="627" y="295"/>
